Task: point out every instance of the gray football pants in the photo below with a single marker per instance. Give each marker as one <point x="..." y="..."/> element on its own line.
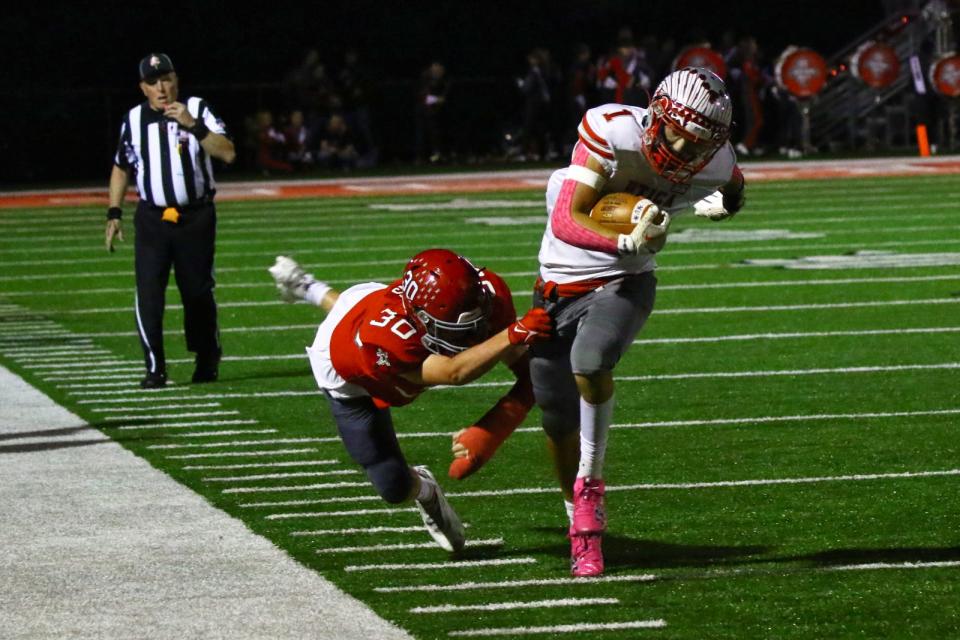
<point x="593" y="333"/>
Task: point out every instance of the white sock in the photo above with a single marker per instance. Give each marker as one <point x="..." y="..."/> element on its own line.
<point x="315" y="293"/>
<point x="569" y="507"/>
<point x="594" y="426"/>
<point x="428" y="490"/>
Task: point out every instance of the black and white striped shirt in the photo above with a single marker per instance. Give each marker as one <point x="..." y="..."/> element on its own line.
<point x="171" y="167"/>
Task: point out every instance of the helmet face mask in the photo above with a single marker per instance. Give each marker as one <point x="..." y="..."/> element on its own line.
<point x="445" y="300"/>
<point x="690" y="116"/>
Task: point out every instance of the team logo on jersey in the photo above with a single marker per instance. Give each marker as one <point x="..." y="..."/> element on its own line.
<point x="383" y="358"/>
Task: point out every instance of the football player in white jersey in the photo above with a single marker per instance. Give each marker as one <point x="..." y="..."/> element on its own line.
<point x="599" y="285"/>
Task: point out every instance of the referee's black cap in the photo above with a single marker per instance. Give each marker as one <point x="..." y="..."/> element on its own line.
<point x="155" y="64"/>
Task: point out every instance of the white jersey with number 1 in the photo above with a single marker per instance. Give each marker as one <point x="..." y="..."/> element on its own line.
<point x="613" y="135"/>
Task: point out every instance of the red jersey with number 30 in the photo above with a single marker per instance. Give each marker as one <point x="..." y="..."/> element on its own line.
<point x="374" y="343"/>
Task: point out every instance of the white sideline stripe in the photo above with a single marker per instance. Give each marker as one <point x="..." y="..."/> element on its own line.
<point x="312" y="501"/>
<point x="776" y="481"/>
<point x="304" y="487"/>
<point x="334" y="514"/>
<point x="129" y="375"/>
<point x="798" y="334"/>
<point x="161" y="407"/>
<point x="668" y="287"/>
<point x="400" y="546"/>
<point x="79" y="342"/>
<point x="736" y="374"/>
<point x="795" y="307"/>
<point x="159" y="416"/>
<point x="428" y="566"/>
<point x="561" y="628"/>
<point x="806" y="307"/>
<point x="59" y="354"/>
<point x="767" y="419"/>
<point x="508" y="606"/>
<point x="126" y="382"/>
<point x="209" y="396"/>
<point x="258" y="465"/>
<point x="241" y="454"/>
<point x="239" y="443"/>
<point x="871" y="566"/>
<point x="227" y="432"/>
<point x="288" y="327"/>
<point x="652" y="486"/>
<point x="274" y="476"/>
<point x="512" y="584"/>
<point x="72" y="364"/>
<point x="171" y="386"/>
<point x="353" y="530"/>
<point x="85" y="347"/>
<point x="186" y="425"/>
<point x="144" y="399"/>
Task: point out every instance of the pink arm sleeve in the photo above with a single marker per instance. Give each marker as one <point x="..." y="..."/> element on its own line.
<point x="561" y="218"/>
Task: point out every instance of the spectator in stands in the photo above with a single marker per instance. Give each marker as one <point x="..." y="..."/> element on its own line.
<point x="431" y="113"/>
<point x="626" y="77"/>
<point x="337" y="148"/>
<point x="536" y="106"/>
<point x="298" y="140"/>
<point x="355" y="87"/>
<point x="271" y="146"/>
<point x="745" y="82"/>
<point x="581" y="90"/>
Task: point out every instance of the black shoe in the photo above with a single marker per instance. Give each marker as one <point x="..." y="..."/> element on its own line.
<point x="154" y="381"/>
<point x="206" y="370"/>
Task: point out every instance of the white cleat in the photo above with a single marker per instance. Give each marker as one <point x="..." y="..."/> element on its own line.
<point x="441" y="521"/>
<point x="292" y="282"/>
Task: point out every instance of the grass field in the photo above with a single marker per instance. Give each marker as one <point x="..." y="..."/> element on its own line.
<point x="784" y="461"/>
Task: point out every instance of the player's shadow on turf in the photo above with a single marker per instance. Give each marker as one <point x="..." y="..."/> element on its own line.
<point x="893" y="555"/>
<point x="629" y="553"/>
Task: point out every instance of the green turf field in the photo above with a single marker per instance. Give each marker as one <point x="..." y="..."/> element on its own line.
<point x="784" y="461"/>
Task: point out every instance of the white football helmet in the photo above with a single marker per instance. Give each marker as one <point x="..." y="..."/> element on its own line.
<point x="690" y="116"/>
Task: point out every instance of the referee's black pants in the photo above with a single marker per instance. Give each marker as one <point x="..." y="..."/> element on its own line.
<point x="188" y="246"/>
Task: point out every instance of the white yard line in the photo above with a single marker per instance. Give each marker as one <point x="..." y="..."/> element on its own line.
<point x="227" y="432"/>
<point x="301" y="487"/>
<point x="401" y="546"/>
<point x="513" y="584"/>
<point x="243" y="443"/>
<point x="266" y="453"/>
<point x="749" y="337"/>
<point x="357" y="530"/>
<point x="512" y="606"/>
<point x="578" y="628"/>
<point x="276" y="476"/>
<point x="186" y="425"/>
<point x="164" y="416"/>
<point x="258" y="465"/>
<point x="161" y="407"/>
<point x="335" y="514"/>
<point x="431" y="566"/>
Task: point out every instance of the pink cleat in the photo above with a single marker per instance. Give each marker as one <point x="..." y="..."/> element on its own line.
<point x="586" y="558"/>
<point x="589" y="511"/>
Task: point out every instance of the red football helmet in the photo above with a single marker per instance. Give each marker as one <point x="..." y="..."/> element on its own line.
<point x="690" y="116"/>
<point x="445" y="299"/>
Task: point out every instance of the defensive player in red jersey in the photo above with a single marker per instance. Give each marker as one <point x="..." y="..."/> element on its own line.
<point x="444" y="322"/>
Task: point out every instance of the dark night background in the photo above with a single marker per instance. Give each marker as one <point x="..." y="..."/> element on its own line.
<point x="69" y="71"/>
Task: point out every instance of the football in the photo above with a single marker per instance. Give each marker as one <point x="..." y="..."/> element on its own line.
<point x="615" y="210"/>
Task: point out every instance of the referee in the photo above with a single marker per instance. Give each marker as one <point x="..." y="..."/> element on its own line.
<point x="166" y="146"/>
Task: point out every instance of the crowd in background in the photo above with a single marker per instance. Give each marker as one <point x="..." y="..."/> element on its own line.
<point x="327" y="119"/>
